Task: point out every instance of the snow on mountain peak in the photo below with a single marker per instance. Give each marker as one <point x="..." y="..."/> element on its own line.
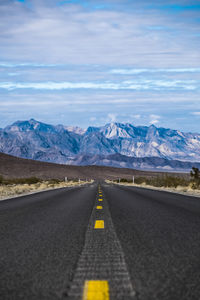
<point x="75" y="129"/>
<point x="37" y="140"/>
<point x="114" y="130"/>
<point x="30" y="125"/>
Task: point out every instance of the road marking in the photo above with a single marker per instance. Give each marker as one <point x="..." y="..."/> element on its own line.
<point x="99" y="224"/>
<point x="96" y="290"/>
<point x="102" y="258"/>
<point x="99" y="207"/>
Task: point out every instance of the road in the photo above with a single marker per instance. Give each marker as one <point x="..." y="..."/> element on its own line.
<point x="145" y="245"/>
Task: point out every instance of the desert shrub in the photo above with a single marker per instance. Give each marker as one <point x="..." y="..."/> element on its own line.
<point x="195" y="175"/>
<point x="1" y="179"/>
<point x="125" y="180"/>
<point x="73" y="179"/>
<point x="32" y="180"/>
<point x="29" y="180"/>
<point x="140" y="180"/>
<point x="172" y="181"/>
<point x="54" y="181"/>
<point x="163" y="181"/>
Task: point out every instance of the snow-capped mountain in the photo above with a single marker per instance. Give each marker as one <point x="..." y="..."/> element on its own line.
<point x="143" y="141"/>
<point x="75" y="129"/>
<point x="36" y="140"/>
<point x="66" y="144"/>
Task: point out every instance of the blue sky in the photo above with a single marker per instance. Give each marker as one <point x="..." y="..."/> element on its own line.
<point x="93" y="62"/>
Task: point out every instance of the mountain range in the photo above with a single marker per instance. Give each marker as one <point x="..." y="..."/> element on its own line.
<point x="115" y="144"/>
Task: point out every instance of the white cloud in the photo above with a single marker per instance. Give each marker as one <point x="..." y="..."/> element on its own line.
<point x="139" y="71"/>
<point x="93" y="119"/>
<point x="124" y="85"/>
<point x="196" y="113"/>
<point x="112" y="117"/>
<point x="77" y="107"/>
<point x="13" y="74"/>
<point x="154" y="122"/>
<point x="69" y="33"/>
<point x="58" y="50"/>
<point x="155" y="116"/>
<point x="136" y="116"/>
<point x="154" y="119"/>
<point x="27" y="64"/>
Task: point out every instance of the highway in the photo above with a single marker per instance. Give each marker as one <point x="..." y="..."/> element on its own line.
<point x="100" y="242"/>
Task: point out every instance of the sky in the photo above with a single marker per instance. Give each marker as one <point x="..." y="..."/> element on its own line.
<point x="88" y="63"/>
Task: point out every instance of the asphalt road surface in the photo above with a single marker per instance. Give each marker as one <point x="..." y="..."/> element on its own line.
<point x="100" y="242"/>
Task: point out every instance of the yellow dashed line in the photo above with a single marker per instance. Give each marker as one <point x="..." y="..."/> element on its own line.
<point x="99" y="224"/>
<point x="100" y="199"/>
<point x="96" y="290"/>
<point x="99" y="207"/>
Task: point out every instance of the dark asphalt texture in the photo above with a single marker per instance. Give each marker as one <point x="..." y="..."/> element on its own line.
<point x="160" y="236"/>
<point x="102" y="259"/>
<point x="43" y="235"/>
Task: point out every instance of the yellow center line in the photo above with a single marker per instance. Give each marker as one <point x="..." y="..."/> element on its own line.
<point x="96" y="290"/>
<point x="99" y="224"/>
<point x="99" y="207"/>
<point x="100" y="199"/>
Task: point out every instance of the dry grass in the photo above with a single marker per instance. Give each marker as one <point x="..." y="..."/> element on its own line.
<point x="185" y="190"/>
<point x="8" y="191"/>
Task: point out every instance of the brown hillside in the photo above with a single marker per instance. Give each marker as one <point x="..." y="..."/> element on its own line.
<point x="15" y="167"/>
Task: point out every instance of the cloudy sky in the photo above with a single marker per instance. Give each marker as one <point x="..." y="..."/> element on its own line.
<point x="93" y="62"/>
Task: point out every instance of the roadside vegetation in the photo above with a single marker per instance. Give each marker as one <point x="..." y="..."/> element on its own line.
<point x="163" y="181"/>
<point x="17" y="186"/>
<point x="178" y="183"/>
<point x="195" y="175"/>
